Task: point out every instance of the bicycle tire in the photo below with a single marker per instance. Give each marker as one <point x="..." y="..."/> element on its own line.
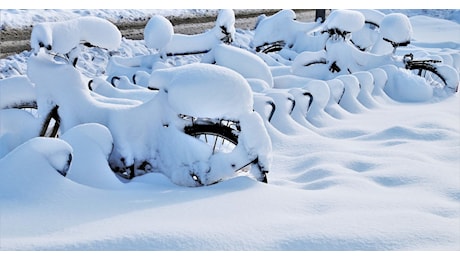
<point x="21" y="105"/>
<point x="271" y="47"/>
<point x="51" y="123"/>
<point x="214" y="129"/>
<point x="429" y="73"/>
<point x="227" y="134"/>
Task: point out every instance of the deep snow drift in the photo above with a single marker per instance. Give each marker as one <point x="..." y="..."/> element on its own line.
<point x="357" y="166"/>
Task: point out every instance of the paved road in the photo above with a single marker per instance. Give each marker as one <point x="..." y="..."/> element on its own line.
<point x="14" y="41"/>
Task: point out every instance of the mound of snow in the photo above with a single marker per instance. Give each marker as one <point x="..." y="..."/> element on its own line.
<point x="372" y="16"/>
<point x="16" y="127"/>
<point x="63" y="37"/>
<point x="104" y="88"/>
<point x="16" y="90"/>
<point x="92" y="144"/>
<point x="311" y="64"/>
<point x="223" y="93"/>
<point x="396" y="27"/>
<point x="345" y="20"/>
<point x="19" y="168"/>
<point x="404" y="86"/>
<point x="369" y="34"/>
<point x="244" y="62"/>
<point x="272" y="28"/>
<point x="158" y="32"/>
<point x="223" y="31"/>
<point x="225" y="21"/>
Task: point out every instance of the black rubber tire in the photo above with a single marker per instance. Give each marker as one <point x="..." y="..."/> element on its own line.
<point x="271" y="47"/>
<point x="430" y="73"/>
<point x="215" y="129"/>
<point x="50" y="125"/>
<point x="227" y="133"/>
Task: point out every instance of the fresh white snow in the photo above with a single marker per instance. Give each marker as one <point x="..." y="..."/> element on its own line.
<point x="63" y="37"/>
<point x="379" y="170"/>
<point x="158" y="32"/>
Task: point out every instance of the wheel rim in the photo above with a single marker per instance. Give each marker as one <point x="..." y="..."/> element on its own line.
<point x="219" y="143"/>
<point x="432" y="78"/>
<point x="222" y="138"/>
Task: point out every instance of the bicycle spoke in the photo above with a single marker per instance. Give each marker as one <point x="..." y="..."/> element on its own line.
<point x="214" y="146"/>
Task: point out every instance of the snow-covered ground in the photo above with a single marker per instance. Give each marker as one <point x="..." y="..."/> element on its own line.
<point x="20" y="18"/>
<point x="379" y="176"/>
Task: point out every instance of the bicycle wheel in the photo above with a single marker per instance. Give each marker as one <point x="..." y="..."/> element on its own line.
<point x="271" y="47"/>
<point x="222" y="137"/>
<point x="440" y="76"/>
<point x="430" y="74"/>
<point x="19" y="93"/>
<point x="50" y="124"/>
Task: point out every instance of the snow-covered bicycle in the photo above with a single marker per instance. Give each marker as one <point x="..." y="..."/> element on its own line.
<point x="163" y="45"/>
<point x="198" y="128"/>
<point x="327" y="50"/>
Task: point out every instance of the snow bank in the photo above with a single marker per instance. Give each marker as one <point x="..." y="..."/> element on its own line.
<point x="430" y="31"/>
<point x="51" y="156"/>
